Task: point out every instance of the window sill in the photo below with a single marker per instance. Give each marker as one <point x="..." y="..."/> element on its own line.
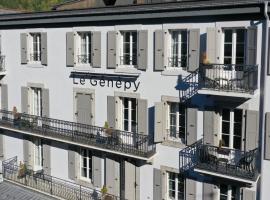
<point x="173" y="143"/>
<point x="84" y="182"/>
<point x="174" y="72"/>
<point x="83" y="67"/>
<point x="127" y="70"/>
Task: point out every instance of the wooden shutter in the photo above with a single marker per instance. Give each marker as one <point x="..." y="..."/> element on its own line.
<point x="142" y="116"/>
<point x="70" y="49"/>
<point x="111" y="49"/>
<point x="113" y="176"/>
<point x="96" y="49"/>
<point x="194" y="50"/>
<point x="27" y="144"/>
<point x="210" y="128"/>
<point x="252" y="130"/>
<point x="191" y="189"/>
<point x="160" y="121"/>
<point x="111" y="111"/>
<point x="1" y="145"/>
<point x="24" y="100"/>
<point x="142" y="49"/>
<point x="159" y="50"/>
<point x="96" y="171"/>
<point x="251" y="51"/>
<point x="47" y="157"/>
<point x="213" y="44"/>
<point x="72" y="162"/>
<point x="24" y="46"/>
<point x="44" y="50"/>
<point x="84" y="108"/>
<point x="191" y="125"/>
<point x="210" y="191"/>
<point x="248" y="194"/>
<point x="157" y="184"/>
<point x="267" y="137"/>
<point x="4" y="97"/>
<point x="130" y="181"/>
<point x="45" y="103"/>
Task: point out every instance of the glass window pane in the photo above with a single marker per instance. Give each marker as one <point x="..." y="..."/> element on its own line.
<point x="238" y="115"/>
<point x="228" y="35"/>
<point x="237" y="142"/>
<point x="225" y="140"/>
<point x="226" y="114"/>
<point x="240" y="35"/>
<point x="225" y="127"/>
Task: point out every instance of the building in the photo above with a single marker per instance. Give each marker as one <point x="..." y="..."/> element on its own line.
<point x="154" y="101"/>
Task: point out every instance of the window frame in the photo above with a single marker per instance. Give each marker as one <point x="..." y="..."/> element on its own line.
<point x="31" y="47"/>
<point x="89" y="157"/>
<point x="35" y="101"/>
<point x="38" y="147"/>
<point x="78" y="42"/>
<point x="229" y="193"/>
<point x="176" y="189"/>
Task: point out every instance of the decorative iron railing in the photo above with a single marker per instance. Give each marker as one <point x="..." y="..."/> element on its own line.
<point x="24" y="175"/>
<point x="84" y="59"/>
<point x="227" y="77"/>
<point x="177" y="62"/>
<point x="108" y="139"/>
<point x="128" y="60"/>
<point x="35" y="57"/>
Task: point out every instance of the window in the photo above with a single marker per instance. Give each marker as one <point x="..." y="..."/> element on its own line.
<point x="129" y="48"/>
<point x="86" y="163"/>
<point x="176" y="186"/>
<point x="35" y="47"/>
<point x="38" y="155"/>
<point x="234" y="46"/>
<point x="178" y="49"/>
<point x="231" y="128"/>
<point x="228" y="192"/>
<point x="129" y="114"/>
<point x="177" y="121"/>
<point x="36" y="101"/>
<point x="84" y="50"/>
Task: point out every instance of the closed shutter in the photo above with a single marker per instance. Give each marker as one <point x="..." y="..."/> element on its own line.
<point x="84" y="108"/>
<point x="142" y="116"/>
<point x="251" y="46"/>
<point x="111" y="114"/>
<point x="24" y="45"/>
<point x="160" y="121"/>
<point x="191" y="125"/>
<point x="4" y="97"/>
<point x="111" y="49"/>
<point x="252" y="129"/>
<point x="210" y="128"/>
<point x="159" y="50"/>
<point x="267" y="137"/>
<point x="70" y="53"/>
<point x="96" y="171"/>
<point x="143" y="49"/>
<point x="72" y="162"/>
<point x="213" y="44"/>
<point x="248" y="194"/>
<point x="45" y="103"/>
<point x="24" y="100"/>
<point x="96" y="49"/>
<point x="44" y="51"/>
<point x="130" y="181"/>
<point x="113" y="176"/>
<point x="194" y="50"/>
<point x="1" y="145"/>
<point x="210" y="192"/>
<point x="157" y="184"/>
<point x="27" y="144"/>
<point x="47" y="157"/>
<point x="191" y="189"/>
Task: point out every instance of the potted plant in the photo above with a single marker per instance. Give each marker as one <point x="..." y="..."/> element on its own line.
<point x="22" y="170"/>
<point x="104" y="194"/>
<point x="107" y="129"/>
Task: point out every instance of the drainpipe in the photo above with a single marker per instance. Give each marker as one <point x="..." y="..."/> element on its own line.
<point x="263" y="91"/>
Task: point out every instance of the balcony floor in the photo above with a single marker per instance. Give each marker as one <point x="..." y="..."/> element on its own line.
<point x="227" y="94"/>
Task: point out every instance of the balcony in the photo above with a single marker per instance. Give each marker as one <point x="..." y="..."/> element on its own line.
<point x="2" y="66"/>
<point x="226" y="163"/>
<point x="114" y="141"/>
<point x="38" y="181"/>
<point x="228" y="80"/>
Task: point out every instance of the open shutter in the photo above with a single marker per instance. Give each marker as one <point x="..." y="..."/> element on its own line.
<point x="113" y="176"/>
<point x="96" y="171"/>
<point x="111" y="49"/>
<point x="138" y="184"/>
<point x="96" y="49"/>
<point x="44" y="51"/>
<point x="252" y="129"/>
<point x="191" y="125"/>
<point x="248" y="194"/>
<point x="24" y="59"/>
<point x="210" y="130"/>
<point x="157" y="186"/>
<point x="143" y="49"/>
<point x="159" y="50"/>
<point x="160" y="121"/>
<point x="251" y="45"/>
<point x="4" y="97"/>
<point x="210" y="191"/>
<point x="267" y="137"/>
<point x="194" y="50"/>
<point x="1" y="146"/>
<point x="70" y="59"/>
<point x="130" y="181"/>
<point x="27" y="144"/>
<point x="47" y="157"/>
<point x="213" y="44"/>
<point x="24" y="100"/>
<point x="142" y="116"/>
<point x="45" y="103"/>
<point x="191" y="189"/>
<point x="72" y="162"/>
<point x="111" y="114"/>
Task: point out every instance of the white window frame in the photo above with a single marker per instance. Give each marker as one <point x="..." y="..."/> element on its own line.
<point x="229" y="192"/>
<point x="89" y="157"/>
<point x="78" y="41"/>
<point x="35" y="101"/>
<point x="176" y="186"/>
<point x="38" y="154"/>
<point x="31" y="47"/>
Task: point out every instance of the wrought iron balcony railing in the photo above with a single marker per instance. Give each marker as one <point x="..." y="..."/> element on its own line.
<point x="84" y="59"/>
<point x="229" y="78"/>
<point x="128" y="60"/>
<point x="23" y="175"/>
<point x="128" y="143"/>
<point x="2" y="63"/>
<point x="35" y="57"/>
<point x="222" y="161"/>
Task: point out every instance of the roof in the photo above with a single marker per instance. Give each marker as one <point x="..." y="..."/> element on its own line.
<point x="11" y="191"/>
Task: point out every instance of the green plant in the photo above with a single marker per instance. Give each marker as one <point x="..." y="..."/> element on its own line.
<point x="104" y="190"/>
<point x="22" y="170"/>
<point x="106" y="125"/>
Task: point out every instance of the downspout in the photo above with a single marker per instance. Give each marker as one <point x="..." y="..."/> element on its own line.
<point x="262" y="102"/>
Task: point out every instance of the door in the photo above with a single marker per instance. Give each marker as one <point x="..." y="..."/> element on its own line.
<point x="84" y="108"/>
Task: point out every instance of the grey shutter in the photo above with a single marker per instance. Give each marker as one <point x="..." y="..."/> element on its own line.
<point x="157" y="184"/>
<point x="26" y="149"/>
<point x="70" y="48"/>
<point x="1" y="145"/>
<point x="113" y="176"/>
<point x="45" y="103"/>
<point x="194" y="50"/>
<point x="191" y="189"/>
<point x="210" y="130"/>
<point x="24" y="53"/>
<point x="191" y="125"/>
<point x="252" y="129"/>
<point x="143" y="49"/>
<point x="111" y="50"/>
<point x="130" y="181"/>
<point x="84" y="108"/>
<point x="251" y="46"/>
<point x="267" y="137"/>
<point x="96" y="171"/>
<point x="160" y="121"/>
<point x="47" y="157"/>
<point x="213" y="44"/>
<point x="44" y="50"/>
<point x="24" y="100"/>
<point x="248" y="194"/>
<point x="142" y="116"/>
<point x="4" y="97"/>
<point x="96" y="49"/>
<point x="210" y="191"/>
<point x="72" y="163"/>
<point x="159" y="50"/>
<point x="137" y="184"/>
<point x="111" y="115"/>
